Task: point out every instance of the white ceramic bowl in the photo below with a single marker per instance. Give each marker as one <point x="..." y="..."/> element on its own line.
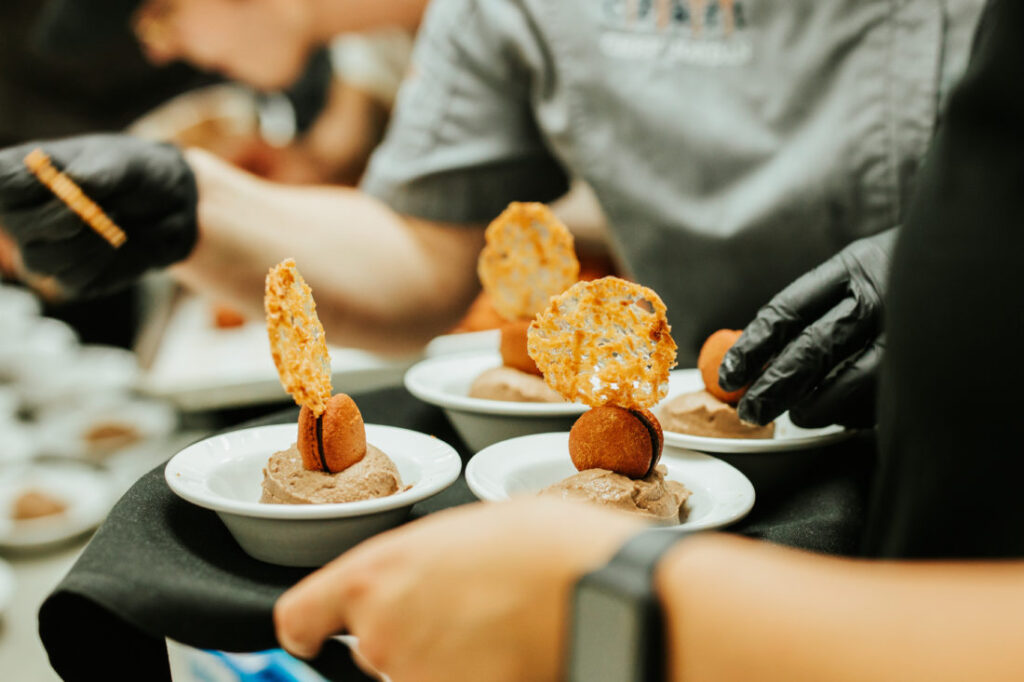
<point x="224" y="474"/>
<point x="528" y="464"/>
<point x="466" y="342"/>
<point x="444" y="381"/>
<point x="788" y="436"/>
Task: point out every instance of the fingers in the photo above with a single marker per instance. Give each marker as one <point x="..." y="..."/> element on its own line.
<point x="847" y="396"/>
<point x="780" y="320"/>
<point x="806" y="361"/>
<point x="313" y="610"/>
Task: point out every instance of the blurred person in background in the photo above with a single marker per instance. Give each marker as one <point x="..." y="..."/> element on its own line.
<point x="732" y="145"/>
<point x="47" y="93"/>
<point x="498" y="579"/>
<point x="267" y="45"/>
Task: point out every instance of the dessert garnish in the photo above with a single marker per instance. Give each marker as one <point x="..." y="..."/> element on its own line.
<point x="528" y="258"/>
<point x="39" y="163"/>
<point x="332" y="436"/>
<point x="607" y="344"/>
<point x="712" y="412"/>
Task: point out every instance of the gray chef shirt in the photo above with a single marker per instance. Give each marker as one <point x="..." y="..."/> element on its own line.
<point x="733" y="144"/>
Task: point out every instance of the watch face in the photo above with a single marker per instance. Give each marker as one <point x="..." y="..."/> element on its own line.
<point x="606" y="643"/>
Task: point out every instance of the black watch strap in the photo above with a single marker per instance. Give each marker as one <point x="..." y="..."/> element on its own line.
<point x="617" y="625"/>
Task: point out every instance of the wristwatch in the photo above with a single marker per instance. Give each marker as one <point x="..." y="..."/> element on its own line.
<point x="616" y="620"/>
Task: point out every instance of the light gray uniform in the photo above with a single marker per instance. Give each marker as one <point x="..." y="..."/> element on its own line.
<point x="733" y="144"/>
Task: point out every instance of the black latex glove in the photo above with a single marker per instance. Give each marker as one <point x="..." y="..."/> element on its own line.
<point x="816" y="347"/>
<point x="146" y="188"/>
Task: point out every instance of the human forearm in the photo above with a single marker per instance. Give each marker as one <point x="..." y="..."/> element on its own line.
<point x="381" y="281"/>
<point x="737" y="609"/>
<point x="363" y="15"/>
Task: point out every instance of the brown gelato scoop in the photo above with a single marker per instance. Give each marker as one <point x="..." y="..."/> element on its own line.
<point x="653" y="496"/>
<point x="506" y="383"/>
<point x="334" y="441"/>
<point x="702" y="414"/>
<point x="287" y="481"/>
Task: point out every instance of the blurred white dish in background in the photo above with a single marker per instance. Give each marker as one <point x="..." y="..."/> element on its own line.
<point x="17" y="442"/>
<point x="98" y="428"/>
<point x="86" y="490"/>
<point x="43" y="341"/>
<point x="788" y="436"/>
<point x="17" y="304"/>
<point x="524" y="466"/>
<point x="225" y="473"/>
<point x="468" y="342"/>
<point x="86" y="374"/>
<point x="197" y="366"/>
<point x="445" y="380"/>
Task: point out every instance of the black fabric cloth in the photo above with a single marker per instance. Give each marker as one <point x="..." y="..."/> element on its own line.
<point x="951" y="398"/>
<point x="161" y="567"/>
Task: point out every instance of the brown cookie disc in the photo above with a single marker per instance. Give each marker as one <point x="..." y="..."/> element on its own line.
<point x="628" y="442"/>
<point x="513" y="347"/>
<point x="334" y="442"/>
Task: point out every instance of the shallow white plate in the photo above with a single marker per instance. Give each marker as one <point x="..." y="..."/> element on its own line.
<point x="788" y="436"/>
<point x="445" y="380"/>
<point x="224" y="473"/>
<point x="467" y="342"/>
<point x="526" y="465"/>
<point x="88" y="491"/>
<point x="63" y="430"/>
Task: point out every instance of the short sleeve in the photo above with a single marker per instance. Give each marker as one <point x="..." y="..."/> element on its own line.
<point x="463" y="141"/>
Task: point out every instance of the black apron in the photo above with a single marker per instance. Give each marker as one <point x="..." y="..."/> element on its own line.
<point x="951" y="403"/>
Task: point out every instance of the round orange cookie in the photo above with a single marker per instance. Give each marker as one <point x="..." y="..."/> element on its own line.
<point x="709" y="360"/>
<point x="605" y="342"/>
<point x="529" y="257"/>
<point x="342" y="434"/>
<point x="628" y="442"/>
<point x="513" y="347"/>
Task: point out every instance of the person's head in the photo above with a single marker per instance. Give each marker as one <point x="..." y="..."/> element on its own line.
<point x="264" y="43"/>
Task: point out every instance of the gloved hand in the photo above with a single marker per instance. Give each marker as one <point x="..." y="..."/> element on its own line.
<point x="816" y="347"/>
<point x="146" y="188"/>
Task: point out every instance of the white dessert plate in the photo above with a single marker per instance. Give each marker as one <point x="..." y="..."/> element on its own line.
<point x="527" y="465"/>
<point x="224" y="473"/>
<point x="466" y="342"/>
<point x="74" y="430"/>
<point x="445" y="380"/>
<point x="88" y="491"/>
<point x="788" y="436"/>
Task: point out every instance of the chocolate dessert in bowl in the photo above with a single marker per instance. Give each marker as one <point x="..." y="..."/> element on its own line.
<point x="493" y="395"/>
<point x="699" y="414"/>
<point x="607" y="345"/>
<point x="300" y="494"/>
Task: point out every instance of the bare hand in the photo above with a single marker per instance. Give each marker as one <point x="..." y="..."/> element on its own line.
<point x="476" y="593"/>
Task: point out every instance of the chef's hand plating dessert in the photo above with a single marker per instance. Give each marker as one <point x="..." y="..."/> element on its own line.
<point x="606" y="344"/>
<point x="330" y="461"/>
<point x="528" y="258"/>
<point x="712" y="412"/>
